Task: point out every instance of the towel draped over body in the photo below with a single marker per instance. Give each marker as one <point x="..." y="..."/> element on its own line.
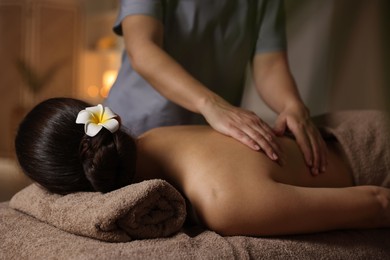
<point x="365" y="139"/>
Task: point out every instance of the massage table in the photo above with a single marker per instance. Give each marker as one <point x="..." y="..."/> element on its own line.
<point x="24" y="236"/>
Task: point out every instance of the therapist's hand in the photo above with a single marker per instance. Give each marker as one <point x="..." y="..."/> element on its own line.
<point x="243" y="125"/>
<point x="308" y="138"/>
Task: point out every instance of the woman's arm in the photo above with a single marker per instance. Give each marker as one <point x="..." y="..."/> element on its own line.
<point x="143" y="40"/>
<point x="277" y="88"/>
<point x="280" y="209"/>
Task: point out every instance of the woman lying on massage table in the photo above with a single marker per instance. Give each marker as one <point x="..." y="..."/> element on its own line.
<point x="233" y="190"/>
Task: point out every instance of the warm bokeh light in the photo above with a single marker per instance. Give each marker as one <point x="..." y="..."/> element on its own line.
<point x="93" y="91"/>
<point x="109" y="77"/>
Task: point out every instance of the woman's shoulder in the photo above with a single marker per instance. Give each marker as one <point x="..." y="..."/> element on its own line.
<point x="182" y="139"/>
<point x="177" y="131"/>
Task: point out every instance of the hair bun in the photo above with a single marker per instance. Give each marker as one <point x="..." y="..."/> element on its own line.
<point x="108" y="160"/>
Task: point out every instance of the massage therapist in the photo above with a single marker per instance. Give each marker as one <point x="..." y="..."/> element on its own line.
<point x="185" y="62"/>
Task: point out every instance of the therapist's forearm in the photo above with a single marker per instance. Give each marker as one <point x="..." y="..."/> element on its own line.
<point x="275" y="83"/>
<point x="143" y="41"/>
<point x="169" y="78"/>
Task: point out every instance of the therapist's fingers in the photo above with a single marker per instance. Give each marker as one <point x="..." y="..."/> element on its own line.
<point x="312" y="146"/>
<point x="263" y="135"/>
<point x="246" y="127"/>
<point x="315" y="155"/>
<point x="243" y="125"/>
<point x="324" y="156"/>
<point x="319" y="150"/>
<point x="261" y="143"/>
<point x="307" y="136"/>
<point x="303" y="142"/>
<point x="257" y="141"/>
<point x="260" y="132"/>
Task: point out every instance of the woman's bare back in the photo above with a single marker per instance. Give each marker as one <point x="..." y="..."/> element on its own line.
<point x="235" y="190"/>
<point x="186" y="154"/>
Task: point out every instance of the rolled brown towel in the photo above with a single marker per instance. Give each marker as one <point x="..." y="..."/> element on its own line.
<point x="148" y="209"/>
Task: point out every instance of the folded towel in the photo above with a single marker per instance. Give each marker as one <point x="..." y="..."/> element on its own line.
<point x="148" y="209"/>
<point x="364" y="136"/>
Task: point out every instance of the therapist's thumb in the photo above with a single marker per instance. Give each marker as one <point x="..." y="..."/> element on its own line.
<point x="280" y="126"/>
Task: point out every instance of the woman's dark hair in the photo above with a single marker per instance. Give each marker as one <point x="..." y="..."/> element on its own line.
<point x="55" y="152"/>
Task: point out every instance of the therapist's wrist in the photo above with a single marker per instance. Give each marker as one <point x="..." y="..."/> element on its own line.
<point x="297" y="107"/>
<point x="208" y="102"/>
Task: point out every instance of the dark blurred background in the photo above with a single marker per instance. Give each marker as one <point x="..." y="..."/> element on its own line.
<point x="338" y="51"/>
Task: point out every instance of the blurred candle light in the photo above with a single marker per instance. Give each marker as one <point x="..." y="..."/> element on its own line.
<point x="93" y="91"/>
<point x="109" y="77"/>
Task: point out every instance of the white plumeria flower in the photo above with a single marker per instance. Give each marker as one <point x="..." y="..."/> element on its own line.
<point x="97" y="117"/>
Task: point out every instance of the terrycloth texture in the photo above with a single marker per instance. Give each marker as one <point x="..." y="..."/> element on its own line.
<point x="148" y="209"/>
<point x="365" y="139"/>
<point x="24" y="237"/>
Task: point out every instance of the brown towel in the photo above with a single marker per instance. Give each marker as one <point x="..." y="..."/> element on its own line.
<point x="24" y="237"/>
<point x="148" y="209"/>
<point x="364" y="136"/>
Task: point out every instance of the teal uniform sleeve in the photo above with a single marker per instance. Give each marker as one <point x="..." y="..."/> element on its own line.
<point x="131" y="7"/>
<point x="272" y="34"/>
